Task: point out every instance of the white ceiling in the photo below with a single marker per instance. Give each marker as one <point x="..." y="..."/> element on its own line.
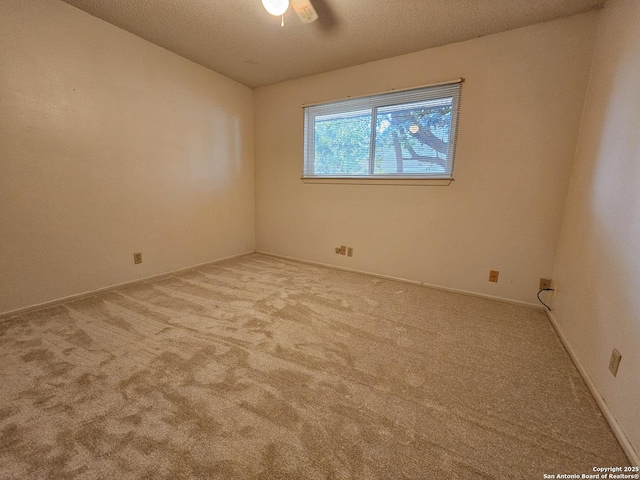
<point x="239" y="39"/>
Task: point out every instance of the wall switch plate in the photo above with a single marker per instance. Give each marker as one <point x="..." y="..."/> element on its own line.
<point x="343" y="250"/>
<point x="614" y="362"/>
<point x="338" y="250"/>
<point x="544" y="283"/>
<point x="137" y="258"/>
<point x="349" y="251"/>
<point x="493" y="276"/>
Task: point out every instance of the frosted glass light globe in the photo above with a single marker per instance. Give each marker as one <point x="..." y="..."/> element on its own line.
<point x="276" y="7"/>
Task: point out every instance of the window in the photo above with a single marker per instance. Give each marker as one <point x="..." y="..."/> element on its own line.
<point x="401" y="135"/>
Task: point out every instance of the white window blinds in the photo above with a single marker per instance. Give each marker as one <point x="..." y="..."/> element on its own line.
<point x="402" y="134"/>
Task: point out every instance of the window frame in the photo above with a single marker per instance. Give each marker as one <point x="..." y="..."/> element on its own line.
<point x="372" y="103"/>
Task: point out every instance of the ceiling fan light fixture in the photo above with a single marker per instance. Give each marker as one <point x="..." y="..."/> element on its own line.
<point x="276" y="7"/>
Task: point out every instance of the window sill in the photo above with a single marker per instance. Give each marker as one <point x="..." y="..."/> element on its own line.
<point x="380" y="180"/>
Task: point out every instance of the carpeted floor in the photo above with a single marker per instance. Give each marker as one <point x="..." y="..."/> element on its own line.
<point x="260" y="368"/>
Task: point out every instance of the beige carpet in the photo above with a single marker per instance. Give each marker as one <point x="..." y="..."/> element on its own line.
<point x="260" y="368"/>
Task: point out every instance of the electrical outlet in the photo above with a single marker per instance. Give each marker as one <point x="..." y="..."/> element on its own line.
<point x="137" y="258"/>
<point x="493" y="276"/>
<point x="338" y="250"/>
<point x="349" y="251"/>
<point x="614" y="362"/>
<point x="544" y="284"/>
<point x="343" y="250"/>
<point x="555" y="286"/>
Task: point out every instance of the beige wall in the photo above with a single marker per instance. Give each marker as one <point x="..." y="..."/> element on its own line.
<point x="110" y="145"/>
<point x="520" y="113"/>
<point x="598" y="268"/>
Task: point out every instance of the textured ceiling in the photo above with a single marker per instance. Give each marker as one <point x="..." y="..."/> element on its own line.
<point x="239" y="39"/>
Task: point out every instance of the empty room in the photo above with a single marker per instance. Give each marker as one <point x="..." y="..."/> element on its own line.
<point x="319" y="239"/>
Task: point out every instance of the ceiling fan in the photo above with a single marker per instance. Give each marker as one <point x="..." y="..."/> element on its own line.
<point x="303" y="8"/>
